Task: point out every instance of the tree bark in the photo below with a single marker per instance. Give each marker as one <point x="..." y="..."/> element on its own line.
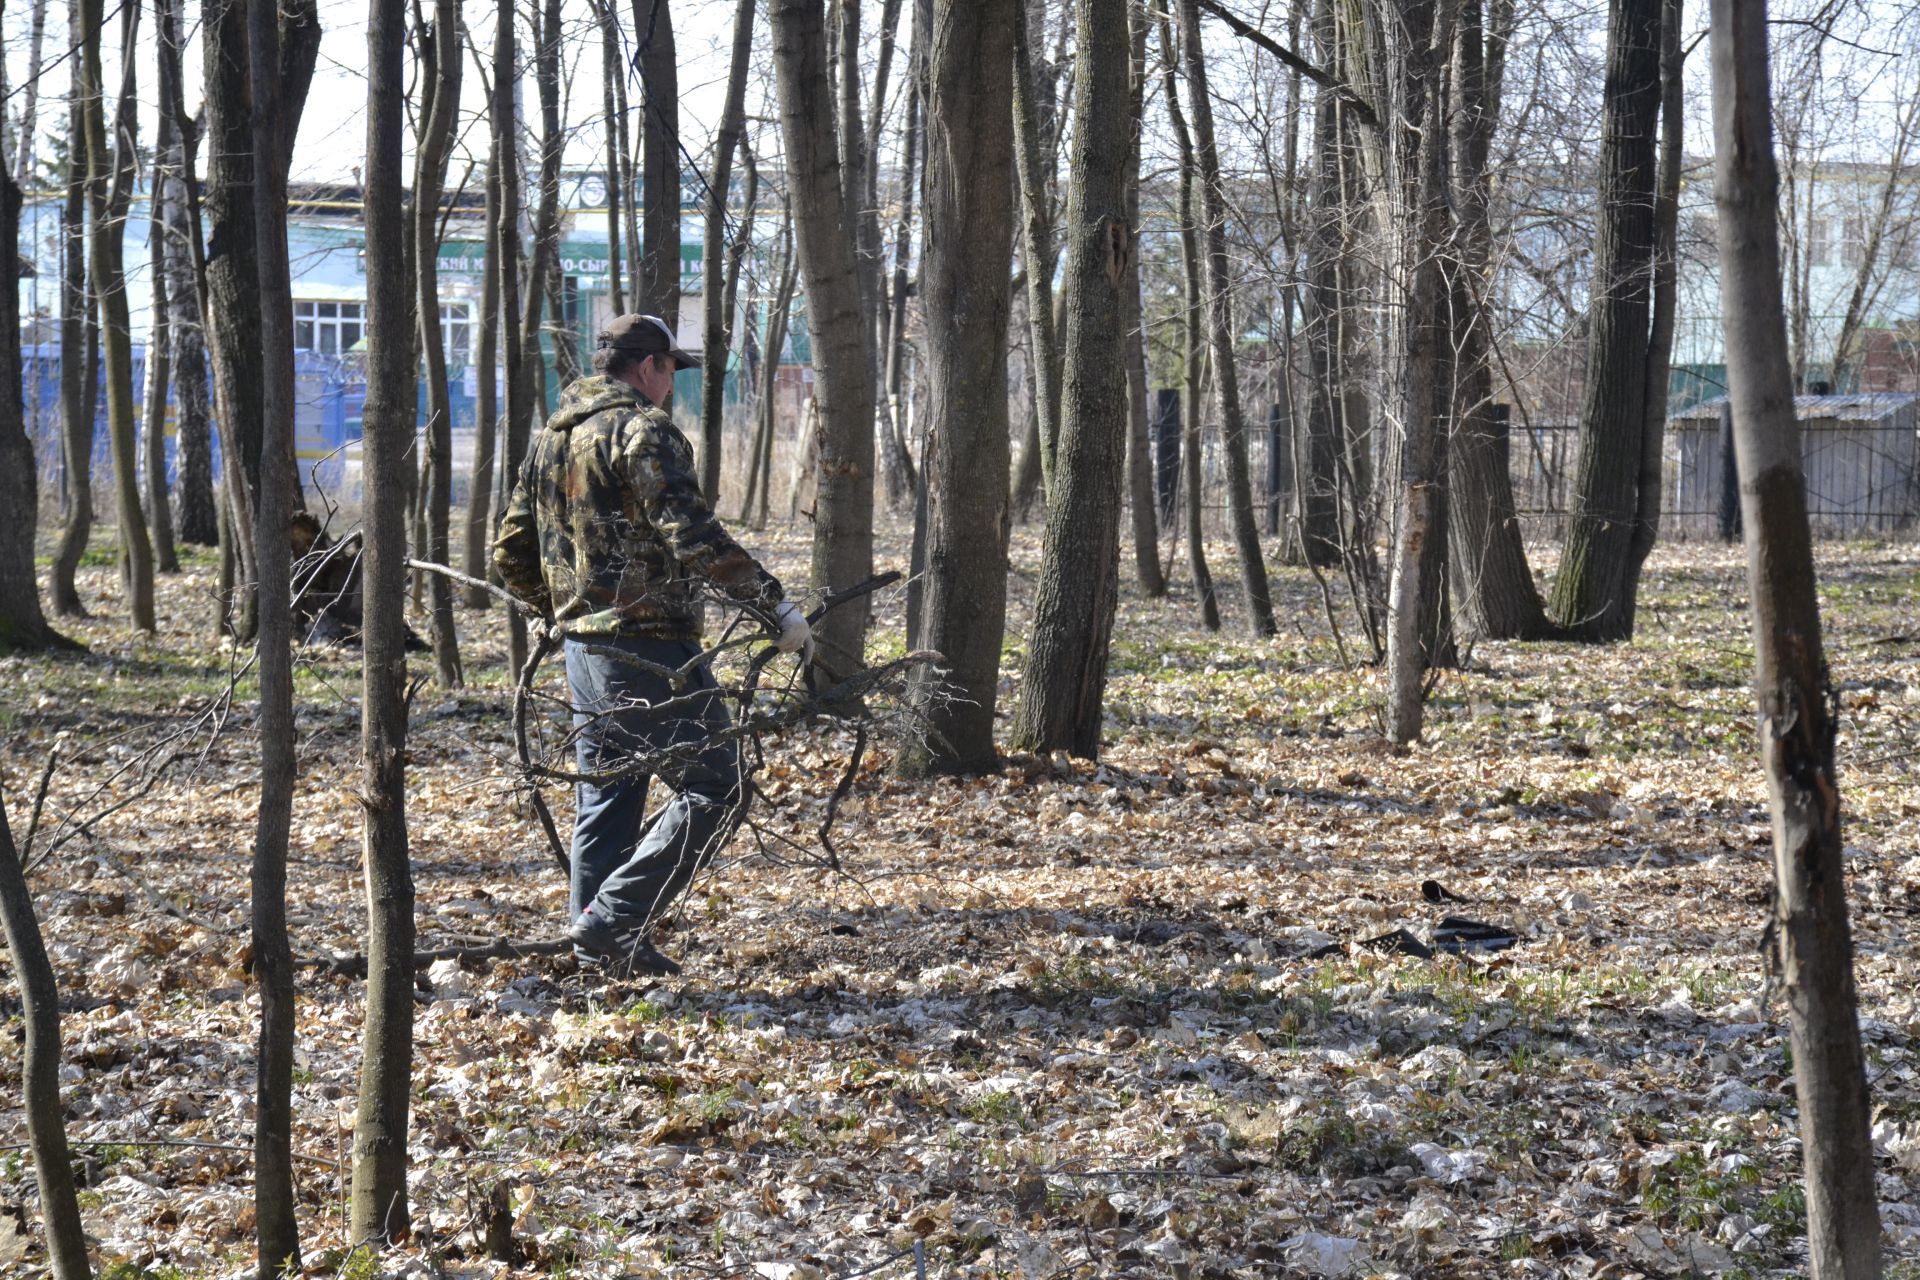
<point x="965" y="295"/>
<point x="1033" y="155"/>
<point x="1193" y="345"/>
<point x="717" y="319"/>
<point x="823" y="233"/>
<point x="40" y="1053"/>
<point x="1418" y="394"/>
<point x="1317" y="477"/>
<point x="1061" y="699"/>
<point x="159" y="357"/>
<point x="1140" y="496"/>
<point x="30" y="109"/>
<point x="379" y="1209"/>
<point x="1812" y="947"/>
<point x="110" y="175"/>
<point x="1665" y="305"/>
<point x="195" y="516"/>
<point x="1496" y="588"/>
<point x="78" y="392"/>
<point x="276" y="1229"/>
<point x="1590" y="594"/>
<point x="440" y="72"/>
<point x="486" y="409"/>
<point x="657" y="290"/>
<point x="613" y="81"/>
<point x="760" y="463"/>
<point x="22" y="624"/>
<point x="1233" y="427"/>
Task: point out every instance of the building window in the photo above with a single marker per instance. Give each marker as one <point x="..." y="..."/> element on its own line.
<point x="328" y="328"/>
<point x="456" y="333"/>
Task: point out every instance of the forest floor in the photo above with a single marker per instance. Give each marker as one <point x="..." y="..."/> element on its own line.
<point x="1112" y="1020"/>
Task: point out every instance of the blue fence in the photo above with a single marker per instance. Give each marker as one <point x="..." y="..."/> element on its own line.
<point x="330" y="393"/>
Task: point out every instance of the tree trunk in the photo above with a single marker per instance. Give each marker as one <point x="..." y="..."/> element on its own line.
<point x="1233" y="427"/>
<point x="717" y="320"/>
<point x="1061" y="699"/>
<point x="486" y="410"/>
<point x="440" y="72"/>
<point x="22" y="624"/>
<point x="1496" y="589"/>
<point x="196" y="516"/>
<point x="1812" y="948"/>
<point x="657" y="290"/>
<point x="77" y="389"/>
<point x="30" y="109"/>
<point x="1665" y="304"/>
<point x="1193" y="345"/>
<point x="110" y="176"/>
<point x="1418" y="393"/>
<point x="965" y="299"/>
<point x="40" y="1053"/>
<point x="760" y="463"/>
<point x="1140" y="496"/>
<point x="379" y="1208"/>
<point x="159" y="352"/>
<point x="1317" y="477"/>
<point x="613" y="83"/>
<point x="912" y="145"/>
<point x="843" y="520"/>
<point x="1033" y="155"/>
<point x="276" y="1229"/>
<point x="1591" y="593"/>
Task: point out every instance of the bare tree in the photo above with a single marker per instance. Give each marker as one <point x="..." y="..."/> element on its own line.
<point x="1812" y="947"/>
<point x="277" y="32"/>
<point x="1226" y="378"/>
<point x="22" y="623"/>
<point x="197" y="518"/>
<point x="110" y="176"/>
<point x="1061" y="700"/>
<point x="439" y="105"/>
<point x="843" y="388"/>
<point x="153" y="431"/>
<point x="379" y="1209"/>
<point x="40" y="1054"/>
<point x="1033" y="155"/>
<point x="1591" y="594"/>
<point x="657" y="287"/>
<point x="477" y="559"/>
<point x="77" y="356"/>
<point x="1140" y="498"/>
<point x="965" y="295"/>
<point x="30" y="108"/>
<point x="717" y="313"/>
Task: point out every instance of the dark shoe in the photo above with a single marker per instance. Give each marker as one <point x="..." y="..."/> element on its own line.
<point x="622" y="951"/>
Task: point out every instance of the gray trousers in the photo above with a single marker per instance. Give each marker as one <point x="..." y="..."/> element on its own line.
<point x="629" y="873"/>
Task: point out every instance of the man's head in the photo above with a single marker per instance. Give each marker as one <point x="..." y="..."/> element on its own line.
<point x="640" y="351"/>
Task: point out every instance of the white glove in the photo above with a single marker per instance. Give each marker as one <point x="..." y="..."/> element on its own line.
<point x="795" y="633"/>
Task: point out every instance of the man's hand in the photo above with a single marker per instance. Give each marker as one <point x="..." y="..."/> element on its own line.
<point x="795" y="633"/>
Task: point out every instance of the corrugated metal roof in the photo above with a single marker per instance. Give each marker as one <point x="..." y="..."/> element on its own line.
<point x="1866" y="407"/>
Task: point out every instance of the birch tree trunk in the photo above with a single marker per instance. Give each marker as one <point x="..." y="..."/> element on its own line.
<point x="1061" y="700"/>
<point x="843" y="388"/>
<point x="1812" y="946"/>
<point x="30" y="109"/>
<point x="1415" y="220"/>
<point x="379" y="1209"/>
<point x="965" y="295"/>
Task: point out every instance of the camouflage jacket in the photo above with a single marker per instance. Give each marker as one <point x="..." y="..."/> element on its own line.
<point x="607" y="530"/>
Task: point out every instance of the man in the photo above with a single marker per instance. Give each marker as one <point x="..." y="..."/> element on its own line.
<point x="608" y="534"/>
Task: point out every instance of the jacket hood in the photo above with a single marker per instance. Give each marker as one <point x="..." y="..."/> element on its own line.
<point x="584" y="397"/>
